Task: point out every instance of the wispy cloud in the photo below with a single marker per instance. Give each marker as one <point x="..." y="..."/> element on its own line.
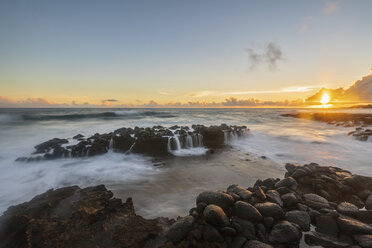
<point x="249" y="92"/>
<point x="270" y="55"/>
<point x="331" y="7"/>
<point x="305" y="24"/>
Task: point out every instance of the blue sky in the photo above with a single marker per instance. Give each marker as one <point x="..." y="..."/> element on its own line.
<point x="169" y="51"/>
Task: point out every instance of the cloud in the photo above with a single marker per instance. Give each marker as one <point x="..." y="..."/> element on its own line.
<point x="360" y="91"/>
<point x="252" y="102"/>
<point x="270" y="55"/>
<point x="110" y="100"/>
<point x="305" y="24"/>
<point x="331" y="8"/>
<point x="249" y="92"/>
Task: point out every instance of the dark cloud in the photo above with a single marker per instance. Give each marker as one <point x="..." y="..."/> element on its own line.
<point x="109" y="100"/>
<point x="270" y="55"/>
<point x="360" y="91"/>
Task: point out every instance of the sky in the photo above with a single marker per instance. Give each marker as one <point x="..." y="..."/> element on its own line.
<point x="177" y="53"/>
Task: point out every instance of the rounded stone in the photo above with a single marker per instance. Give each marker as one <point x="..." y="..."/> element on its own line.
<point x="178" y="230"/>
<point x="316" y="201"/>
<point x="220" y="199"/>
<point x="369" y="203"/>
<point x="246" y="211"/>
<point x="284" y="232"/>
<point x="269" y="209"/>
<point x="300" y="218"/>
<point x="347" y="208"/>
<point x="288" y="182"/>
<point x="215" y="215"/>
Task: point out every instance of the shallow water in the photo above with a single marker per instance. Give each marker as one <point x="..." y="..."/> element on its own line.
<point x="168" y="190"/>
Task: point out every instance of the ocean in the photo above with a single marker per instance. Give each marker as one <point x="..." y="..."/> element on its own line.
<point x="171" y="188"/>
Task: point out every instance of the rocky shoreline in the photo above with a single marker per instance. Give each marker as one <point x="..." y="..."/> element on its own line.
<point x="155" y="141"/>
<point x="360" y="121"/>
<point x="324" y="206"/>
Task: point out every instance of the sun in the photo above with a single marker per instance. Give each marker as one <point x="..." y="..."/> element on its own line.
<point x="325" y="99"/>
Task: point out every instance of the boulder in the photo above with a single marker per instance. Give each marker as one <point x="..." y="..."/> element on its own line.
<point x="269" y="209"/>
<point x="245" y="228"/>
<point x="151" y="145"/>
<point x="179" y="230"/>
<point x="301" y="218"/>
<point x="284" y="232"/>
<point x="347" y="208"/>
<point x="211" y="234"/>
<point x="364" y="240"/>
<point x="288" y="182"/>
<point x="326" y="224"/>
<point x="246" y="211"/>
<point x="274" y="196"/>
<point x="319" y="239"/>
<point x="223" y="200"/>
<point x="50" y="144"/>
<point x="369" y="203"/>
<point x="315" y="201"/>
<point x="351" y="226"/>
<point x="256" y="244"/>
<point x="289" y="200"/>
<point x="215" y="215"/>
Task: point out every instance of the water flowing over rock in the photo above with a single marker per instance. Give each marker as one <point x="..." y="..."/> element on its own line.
<point x="155" y="141"/>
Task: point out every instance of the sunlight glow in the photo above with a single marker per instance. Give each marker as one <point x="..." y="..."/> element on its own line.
<point x="325" y="99"/>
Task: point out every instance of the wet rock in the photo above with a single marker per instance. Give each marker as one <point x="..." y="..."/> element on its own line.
<point x="347" y="208"/>
<point x="260" y="193"/>
<point x="290" y="167"/>
<point x="326" y="224"/>
<point x="364" y="216"/>
<point x="238" y="242"/>
<point x="123" y="143"/>
<point x="289" y="200"/>
<point x="269" y="209"/>
<point x="288" y="182"/>
<point x="269" y="183"/>
<point x="245" y="228"/>
<point x="314" y="238"/>
<point x="284" y="232"/>
<point x="215" y="215"/>
<point x="246" y="211"/>
<point x="369" y="203"/>
<point x="153" y="145"/>
<point x="245" y="195"/>
<point x="234" y="189"/>
<point x="75" y="217"/>
<point x="274" y="196"/>
<point x="228" y="231"/>
<point x="223" y="200"/>
<point x="211" y="234"/>
<point x="364" y="240"/>
<point x="300" y="218"/>
<point x="78" y="136"/>
<point x="299" y="173"/>
<point x="179" y="230"/>
<point x="315" y="201"/>
<point x="268" y="221"/>
<point x="49" y="145"/>
<point x="213" y="136"/>
<point x="256" y="244"/>
<point x="351" y="226"/>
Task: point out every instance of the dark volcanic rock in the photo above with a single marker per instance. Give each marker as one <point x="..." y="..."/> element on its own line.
<point x="314" y="238"/>
<point x="369" y="203"/>
<point x="256" y="244"/>
<point x="223" y="200"/>
<point x="326" y="224"/>
<point x="215" y="215"/>
<point x="287" y="182"/>
<point x="49" y="145"/>
<point x="74" y="217"/>
<point x="315" y="201"/>
<point x="284" y="232"/>
<point x="300" y="218"/>
<point x="246" y="211"/>
<point x="123" y="143"/>
<point x="274" y="196"/>
<point x="155" y="145"/>
<point x="269" y="209"/>
<point x="364" y="240"/>
<point x="351" y="226"/>
<point x="244" y="228"/>
<point x="289" y="200"/>
<point x="347" y="208"/>
<point x="179" y="230"/>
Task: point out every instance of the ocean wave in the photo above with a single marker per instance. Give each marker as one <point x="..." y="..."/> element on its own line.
<point x="98" y="115"/>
